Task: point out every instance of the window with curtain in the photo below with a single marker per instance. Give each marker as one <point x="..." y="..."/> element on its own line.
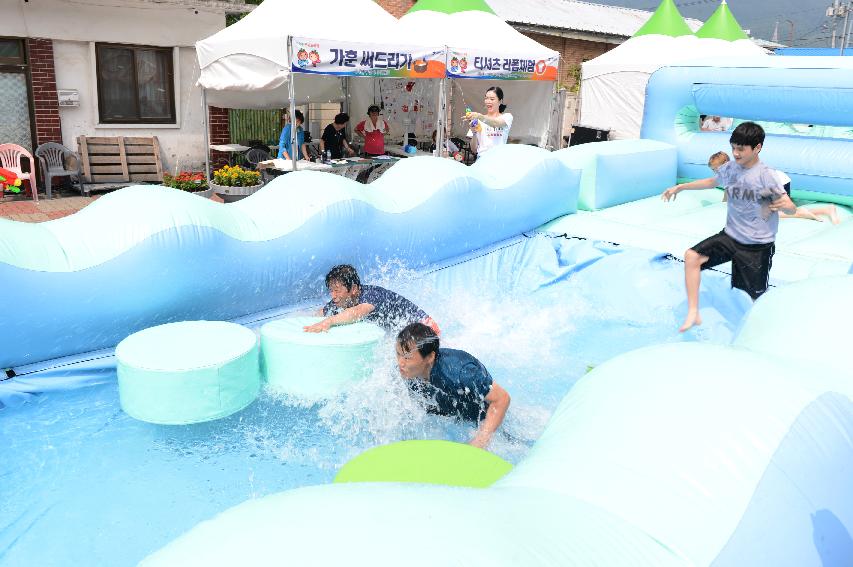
<point x="11" y="51"/>
<point x="135" y="84"/>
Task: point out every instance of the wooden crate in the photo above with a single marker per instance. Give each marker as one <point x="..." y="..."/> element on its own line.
<point x="117" y="161"/>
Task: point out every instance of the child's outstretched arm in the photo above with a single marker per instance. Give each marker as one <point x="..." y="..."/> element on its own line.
<point x="708" y="183"/>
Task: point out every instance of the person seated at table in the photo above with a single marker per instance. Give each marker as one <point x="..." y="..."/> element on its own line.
<point x="285" y="149"/>
<point x="334" y="139"/>
<point x="372" y="130"/>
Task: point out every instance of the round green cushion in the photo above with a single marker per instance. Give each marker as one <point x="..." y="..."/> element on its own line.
<point x="188" y="372"/>
<point x="315" y="366"/>
<point x="426" y="462"/>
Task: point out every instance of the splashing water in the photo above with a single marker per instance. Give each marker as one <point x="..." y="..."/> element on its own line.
<point x="75" y="465"/>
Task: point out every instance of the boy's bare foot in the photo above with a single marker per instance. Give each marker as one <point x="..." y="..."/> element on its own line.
<point x="805" y="213"/>
<point x="692" y="319"/>
<point x="833" y="214"/>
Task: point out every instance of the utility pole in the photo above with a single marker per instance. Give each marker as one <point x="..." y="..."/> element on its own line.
<point x="845" y="31"/>
<point x="850" y="29"/>
<point x="832" y="11"/>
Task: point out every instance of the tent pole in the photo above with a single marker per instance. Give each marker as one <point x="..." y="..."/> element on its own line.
<point x="441" y="117"/>
<point x="205" y="121"/>
<point x="344" y="106"/>
<point x="291" y="93"/>
<point x="449" y="95"/>
<point x="547" y="141"/>
<point x="551" y="112"/>
<point x="345" y="85"/>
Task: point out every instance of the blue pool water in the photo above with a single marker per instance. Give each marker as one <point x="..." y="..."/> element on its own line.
<point x="81" y="483"/>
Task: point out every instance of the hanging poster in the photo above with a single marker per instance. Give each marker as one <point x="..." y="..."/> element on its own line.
<point x="330" y="57"/>
<point x="410" y="104"/>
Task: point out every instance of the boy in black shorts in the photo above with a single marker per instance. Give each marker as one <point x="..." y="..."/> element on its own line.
<point x="754" y="198"/>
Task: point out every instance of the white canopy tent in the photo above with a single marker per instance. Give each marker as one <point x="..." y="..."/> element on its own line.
<point x="495" y="53"/>
<point x="247" y="64"/>
<point x="251" y="63"/>
<point x="613" y="85"/>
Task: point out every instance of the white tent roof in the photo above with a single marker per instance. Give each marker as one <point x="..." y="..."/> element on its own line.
<point x="471" y="29"/>
<point x="578" y="16"/>
<point x="251" y="55"/>
<point x="648" y="53"/>
<point x="613" y="85"/>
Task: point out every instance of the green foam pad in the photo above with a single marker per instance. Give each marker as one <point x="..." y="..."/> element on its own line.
<point x="188" y="372"/>
<point x="426" y="462"/>
<point x="315" y="366"/>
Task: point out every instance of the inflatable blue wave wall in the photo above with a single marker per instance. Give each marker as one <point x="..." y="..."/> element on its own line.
<point x="144" y="255"/>
<point x="806" y="90"/>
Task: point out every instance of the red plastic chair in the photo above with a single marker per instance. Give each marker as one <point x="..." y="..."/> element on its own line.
<point x="10" y="158"/>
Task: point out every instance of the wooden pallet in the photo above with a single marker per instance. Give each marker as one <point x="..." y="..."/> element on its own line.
<point x="118" y="161"/>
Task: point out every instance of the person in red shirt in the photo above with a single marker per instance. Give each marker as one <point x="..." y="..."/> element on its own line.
<point x="372" y="131"/>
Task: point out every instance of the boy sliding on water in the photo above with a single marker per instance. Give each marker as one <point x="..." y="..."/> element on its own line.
<point x="719" y="158"/>
<point x="754" y="199"/>
<point x="353" y="302"/>
<point x="453" y="382"/>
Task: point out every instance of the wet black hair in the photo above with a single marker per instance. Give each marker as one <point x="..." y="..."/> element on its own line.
<point x="499" y="92"/>
<point x="747" y="134"/>
<point x="341" y="118"/>
<point x="372" y="108"/>
<point x="418" y="334"/>
<point x="343" y="274"/>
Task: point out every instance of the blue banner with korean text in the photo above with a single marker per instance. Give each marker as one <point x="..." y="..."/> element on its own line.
<point x="468" y="64"/>
<point x="329" y="57"/>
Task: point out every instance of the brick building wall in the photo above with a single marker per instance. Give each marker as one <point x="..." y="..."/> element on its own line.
<point x="220" y="133"/>
<point x="47" y="126"/>
<point x="396" y="7"/>
<point x="573" y="52"/>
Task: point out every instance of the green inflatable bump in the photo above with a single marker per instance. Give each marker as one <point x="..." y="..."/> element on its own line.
<point x="666" y="20"/>
<point x="451" y="6"/>
<point x="188" y="372"/>
<point x="722" y="25"/>
<point x="426" y="462"/>
<point x="317" y="366"/>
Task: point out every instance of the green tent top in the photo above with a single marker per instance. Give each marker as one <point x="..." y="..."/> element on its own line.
<point x="452" y="6"/>
<point x="666" y="20"/>
<point x="722" y="25"/>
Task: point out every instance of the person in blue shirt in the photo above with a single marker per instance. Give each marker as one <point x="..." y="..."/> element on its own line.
<point x="453" y="382"/>
<point x="353" y="302"/>
<point x="285" y="150"/>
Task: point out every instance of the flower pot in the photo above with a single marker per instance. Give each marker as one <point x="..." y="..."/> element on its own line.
<point x="204" y="194"/>
<point x="231" y="194"/>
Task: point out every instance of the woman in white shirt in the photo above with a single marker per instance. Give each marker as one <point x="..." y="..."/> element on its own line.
<point x="492" y="128"/>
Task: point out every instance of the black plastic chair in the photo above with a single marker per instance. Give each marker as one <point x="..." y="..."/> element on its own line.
<point x="256" y="155"/>
<point x="51" y="157"/>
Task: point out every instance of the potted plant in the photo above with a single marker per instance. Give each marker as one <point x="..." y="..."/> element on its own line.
<point x="190" y="181"/>
<point x="233" y="183"/>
